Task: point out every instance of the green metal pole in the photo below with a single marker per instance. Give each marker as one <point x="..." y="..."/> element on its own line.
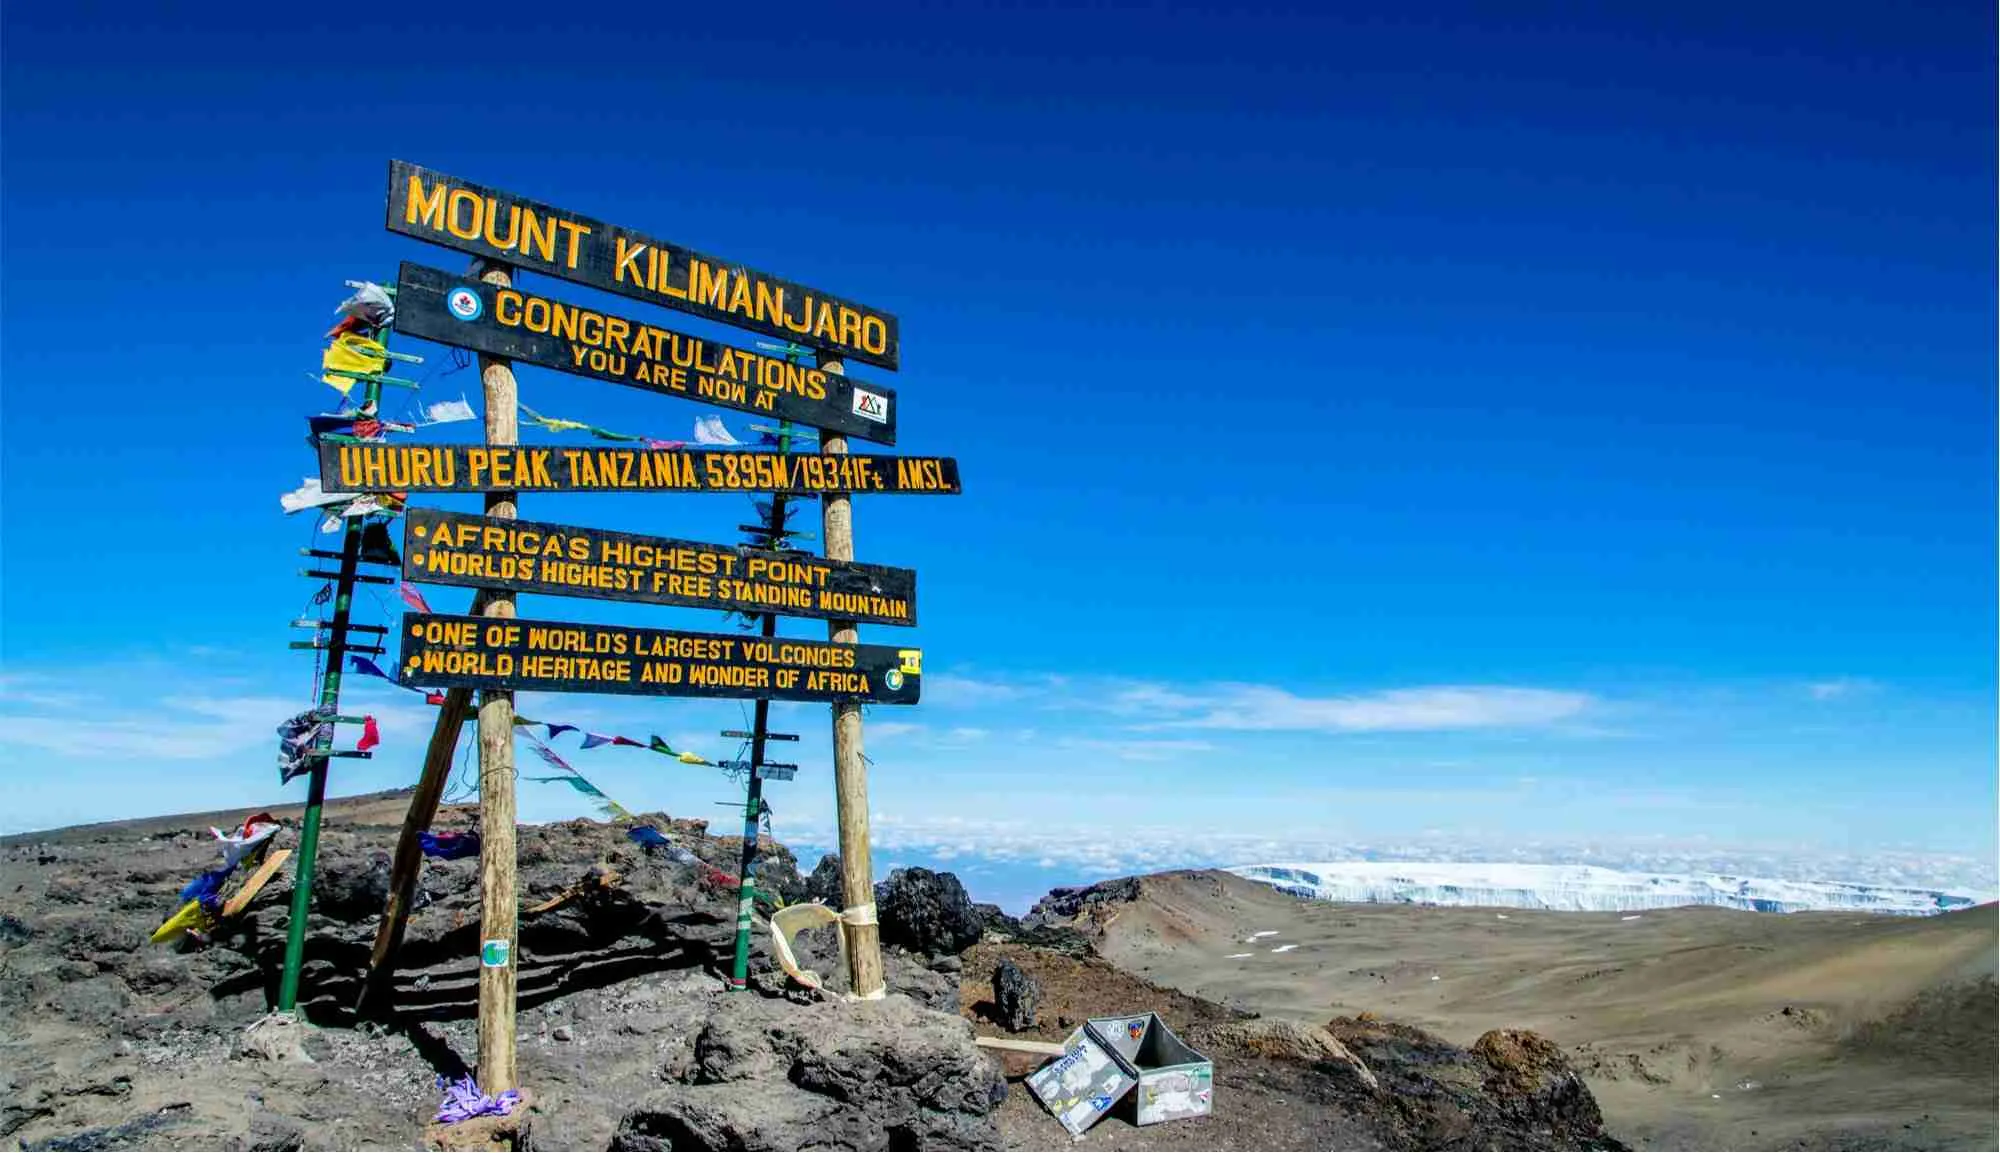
<point x="753" y="801"/>
<point x="329" y="702"/>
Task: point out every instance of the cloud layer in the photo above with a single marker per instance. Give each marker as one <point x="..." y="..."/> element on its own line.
<point x="1239" y="707"/>
<point x="1091" y="852"/>
<point x="1445" y="708"/>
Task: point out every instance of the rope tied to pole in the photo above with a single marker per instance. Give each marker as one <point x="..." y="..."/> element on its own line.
<point x="797" y="918"/>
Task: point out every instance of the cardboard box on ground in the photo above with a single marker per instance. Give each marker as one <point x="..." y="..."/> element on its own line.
<point x="1108" y="1058"/>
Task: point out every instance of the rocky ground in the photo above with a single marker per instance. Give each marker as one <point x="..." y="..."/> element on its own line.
<point x="627" y="1038"/>
<point x="1695" y="1028"/>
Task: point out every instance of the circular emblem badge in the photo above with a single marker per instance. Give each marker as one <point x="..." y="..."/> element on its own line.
<point x="894" y="679"/>
<point x="463" y="303"/>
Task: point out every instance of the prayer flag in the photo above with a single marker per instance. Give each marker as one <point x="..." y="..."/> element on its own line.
<point x="449" y="411"/>
<point x="709" y="430"/>
<point x="413" y="598"/>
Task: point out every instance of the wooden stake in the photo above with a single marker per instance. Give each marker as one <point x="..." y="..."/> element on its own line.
<point x="1043" y="1048"/>
<point x="408" y="865"/>
<point x="850" y="772"/>
<point x="498" y="913"/>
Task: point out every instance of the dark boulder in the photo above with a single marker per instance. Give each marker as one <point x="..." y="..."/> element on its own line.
<point x="1016" y="997"/>
<point x="770" y="1074"/>
<point x="1066" y="904"/>
<point x="1512" y="1090"/>
<point x="1534" y="1085"/>
<point x="823" y="883"/>
<point x="351" y="887"/>
<point x="927" y="913"/>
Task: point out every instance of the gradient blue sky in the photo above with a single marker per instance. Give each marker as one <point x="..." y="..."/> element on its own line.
<point x="1504" y="423"/>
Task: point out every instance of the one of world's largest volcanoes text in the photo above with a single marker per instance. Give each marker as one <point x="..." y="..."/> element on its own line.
<point x="1585" y="888"/>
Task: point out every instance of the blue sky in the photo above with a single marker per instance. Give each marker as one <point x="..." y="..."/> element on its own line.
<point x="1501" y="424"/>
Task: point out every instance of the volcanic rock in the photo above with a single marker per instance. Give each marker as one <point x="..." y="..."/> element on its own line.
<point x="927" y="913"/>
<point x="853" y="1075"/>
<point x="1016" y="997"/>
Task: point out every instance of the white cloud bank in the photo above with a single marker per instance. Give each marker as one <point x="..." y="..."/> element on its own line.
<point x="1261" y="708"/>
<point x="1098" y="851"/>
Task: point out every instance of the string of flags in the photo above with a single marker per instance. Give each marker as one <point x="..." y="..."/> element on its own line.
<point x="364" y="423"/>
<point x="591" y="740"/>
<point x="356" y="353"/>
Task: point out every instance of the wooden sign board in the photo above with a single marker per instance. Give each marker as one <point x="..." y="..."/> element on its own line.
<point x="442" y="650"/>
<point x="538" y="238"/>
<point x="544" y="468"/>
<point x="523" y="326"/>
<point x="450" y="548"/>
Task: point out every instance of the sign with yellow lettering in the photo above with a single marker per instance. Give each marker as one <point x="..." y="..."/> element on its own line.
<point x="543" y="468"/>
<point x="532" y="329"/>
<point x="451" y="548"/>
<point x="530" y="235"/>
<point x="441" y="650"/>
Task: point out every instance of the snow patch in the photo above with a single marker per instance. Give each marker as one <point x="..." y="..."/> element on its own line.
<point x="1584" y="888"/>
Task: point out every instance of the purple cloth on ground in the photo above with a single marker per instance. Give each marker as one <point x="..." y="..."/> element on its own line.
<point x="463" y="1101"/>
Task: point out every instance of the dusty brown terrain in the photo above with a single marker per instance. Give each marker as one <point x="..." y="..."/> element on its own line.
<point x="628" y="1039"/>
<point x="1275" y="1088"/>
<point x="1692" y="1028"/>
<point x="1696" y="1028"/>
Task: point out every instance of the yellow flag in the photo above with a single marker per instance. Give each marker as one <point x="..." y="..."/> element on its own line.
<point x="191" y="916"/>
<point x="352" y="353"/>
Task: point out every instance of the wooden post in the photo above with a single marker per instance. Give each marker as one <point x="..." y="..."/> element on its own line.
<point x="409" y="861"/>
<point x="850" y="772"/>
<point x="498" y="914"/>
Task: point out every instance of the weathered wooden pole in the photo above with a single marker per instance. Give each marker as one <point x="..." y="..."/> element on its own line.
<point x="408" y="864"/>
<point x="850" y="773"/>
<point x="498" y="914"/>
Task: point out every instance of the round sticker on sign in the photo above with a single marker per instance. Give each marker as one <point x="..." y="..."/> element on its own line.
<point x="893" y="678"/>
<point x="464" y="303"/>
<point x="493" y="954"/>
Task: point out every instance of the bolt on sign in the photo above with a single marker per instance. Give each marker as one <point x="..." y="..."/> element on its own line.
<point x="573" y="338"/>
<point x="450" y="548"/>
<point x="538" y="238"/>
<point x="443" y="650"/>
<point x="406" y="468"/>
